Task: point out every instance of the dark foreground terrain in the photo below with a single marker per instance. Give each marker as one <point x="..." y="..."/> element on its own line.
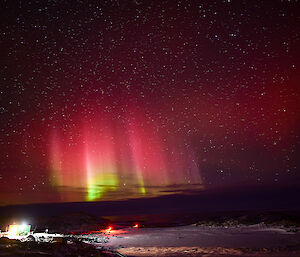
<point x="14" y="248"/>
<point x="238" y="233"/>
<point x="193" y="240"/>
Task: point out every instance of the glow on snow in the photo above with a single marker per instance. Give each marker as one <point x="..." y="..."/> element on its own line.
<point x="103" y="159"/>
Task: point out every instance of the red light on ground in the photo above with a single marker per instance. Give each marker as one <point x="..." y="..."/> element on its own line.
<point x="136" y="226"/>
<point x="109" y="228"/>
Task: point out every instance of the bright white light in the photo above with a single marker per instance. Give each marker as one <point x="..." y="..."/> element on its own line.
<point x="23" y="226"/>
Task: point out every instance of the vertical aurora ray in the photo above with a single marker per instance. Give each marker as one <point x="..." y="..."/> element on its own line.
<point x="135" y="151"/>
<point x="148" y="159"/>
<point x="107" y="161"/>
<point x="100" y="167"/>
<point x="55" y="160"/>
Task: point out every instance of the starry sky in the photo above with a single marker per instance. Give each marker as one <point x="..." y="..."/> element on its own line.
<point x="119" y="99"/>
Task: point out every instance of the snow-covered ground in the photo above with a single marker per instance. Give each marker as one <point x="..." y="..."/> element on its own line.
<point x="196" y="240"/>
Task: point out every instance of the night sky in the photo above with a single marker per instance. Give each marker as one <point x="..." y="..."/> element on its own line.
<point x="110" y="100"/>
